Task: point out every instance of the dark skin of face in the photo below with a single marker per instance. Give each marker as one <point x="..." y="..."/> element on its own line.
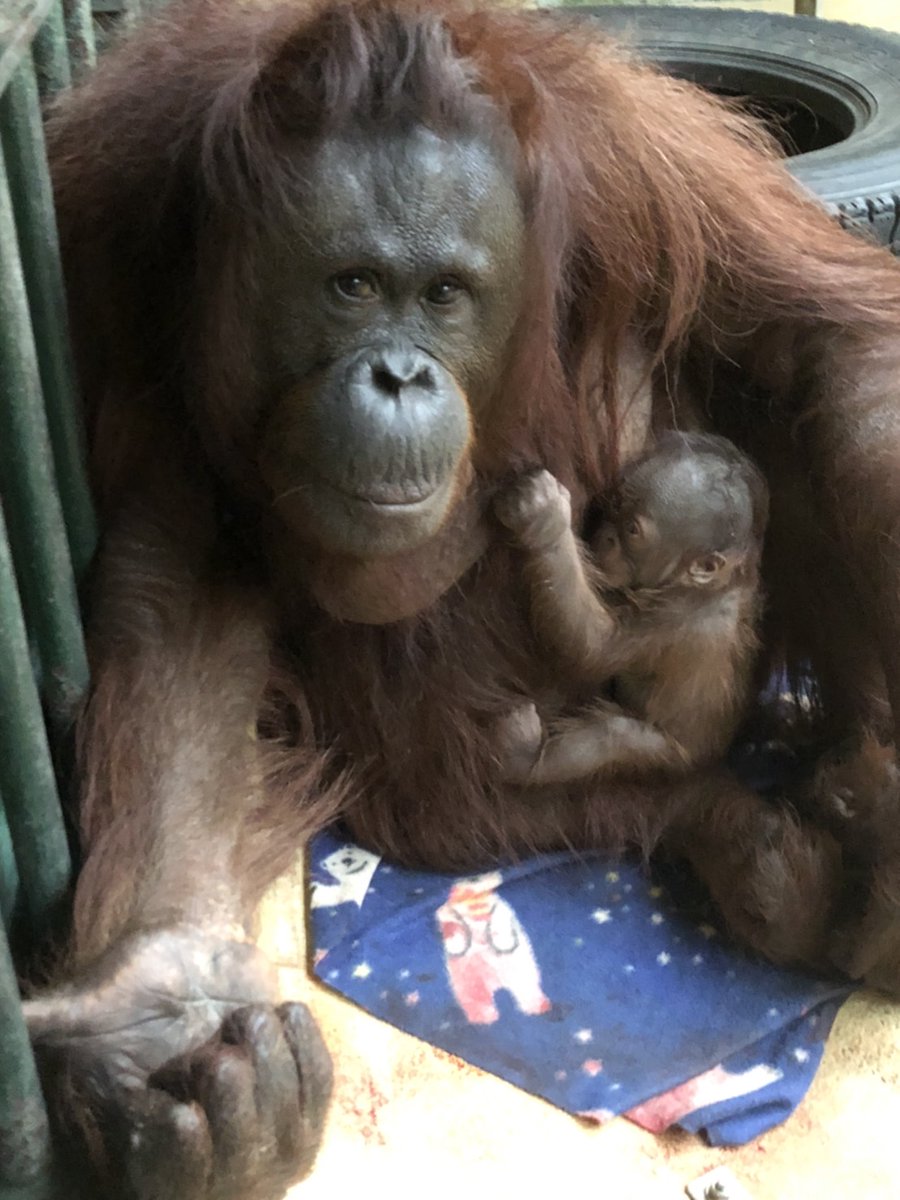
<point x="389" y="303"/>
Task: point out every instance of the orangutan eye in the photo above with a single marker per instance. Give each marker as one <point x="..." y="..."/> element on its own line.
<point x="444" y="291"/>
<point x="633" y="528"/>
<point x="356" y="285"/>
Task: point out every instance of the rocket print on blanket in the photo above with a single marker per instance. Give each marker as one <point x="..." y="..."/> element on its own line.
<point x="486" y="950"/>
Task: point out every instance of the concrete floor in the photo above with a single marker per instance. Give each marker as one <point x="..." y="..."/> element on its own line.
<point x="409" y="1120"/>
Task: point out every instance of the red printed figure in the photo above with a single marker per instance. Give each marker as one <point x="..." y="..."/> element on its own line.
<point x="486" y="950"/>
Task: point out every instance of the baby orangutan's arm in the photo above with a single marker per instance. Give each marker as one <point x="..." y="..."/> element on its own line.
<point x="567" y="614"/>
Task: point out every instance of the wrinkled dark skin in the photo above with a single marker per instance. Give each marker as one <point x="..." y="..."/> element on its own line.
<point x="211" y="1083"/>
<point x="410" y="251"/>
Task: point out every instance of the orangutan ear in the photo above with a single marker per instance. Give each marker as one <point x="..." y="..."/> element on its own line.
<point x="706" y="569"/>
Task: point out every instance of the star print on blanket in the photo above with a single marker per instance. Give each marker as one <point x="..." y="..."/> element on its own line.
<point x="583" y="982"/>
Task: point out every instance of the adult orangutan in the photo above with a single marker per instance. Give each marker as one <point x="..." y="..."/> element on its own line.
<point x="336" y="271"/>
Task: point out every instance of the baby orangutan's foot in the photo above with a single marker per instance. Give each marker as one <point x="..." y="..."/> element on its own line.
<point x="856" y="794"/>
<point x="520" y="736"/>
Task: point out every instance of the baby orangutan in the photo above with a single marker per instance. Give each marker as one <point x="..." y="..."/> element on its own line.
<point x="658" y="616"/>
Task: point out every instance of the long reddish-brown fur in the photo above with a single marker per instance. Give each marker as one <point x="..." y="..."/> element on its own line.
<point x="653" y="211"/>
<point x="666" y="255"/>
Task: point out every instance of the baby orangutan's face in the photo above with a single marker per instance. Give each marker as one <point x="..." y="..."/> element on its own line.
<point x="669" y="524"/>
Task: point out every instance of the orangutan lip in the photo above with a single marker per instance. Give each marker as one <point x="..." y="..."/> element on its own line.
<point x="386" y="497"/>
<point x="394" y="497"/>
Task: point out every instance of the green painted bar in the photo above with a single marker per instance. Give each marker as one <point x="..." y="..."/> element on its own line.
<point x="51" y="53"/>
<point x="27" y="781"/>
<point x="25" y="1155"/>
<point x="32" y="198"/>
<point x="80" y="31"/>
<point x="9" y="875"/>
<point x="27" y="484"/>
<point x="20" y="21"/>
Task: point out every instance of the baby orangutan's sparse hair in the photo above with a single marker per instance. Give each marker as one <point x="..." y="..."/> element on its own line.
<point x="659" y="617"/>
<point x="689" y="513"/>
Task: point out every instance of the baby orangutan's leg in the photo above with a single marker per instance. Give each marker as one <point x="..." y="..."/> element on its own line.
<point x="603" y="740"/>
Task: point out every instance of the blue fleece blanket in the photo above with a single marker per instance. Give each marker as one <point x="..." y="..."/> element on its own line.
<point x="583" y="981"/>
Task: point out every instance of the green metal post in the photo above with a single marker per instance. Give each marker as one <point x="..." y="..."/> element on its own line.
<point x="51" y="53"/>
<point x="25" y="1155"/>
<point x="32" y="198"/>
<point x="9" y="875"/>
<point x="37" y="532"/>
<point x="80" y="30"/>
<point x="27" y="781"/>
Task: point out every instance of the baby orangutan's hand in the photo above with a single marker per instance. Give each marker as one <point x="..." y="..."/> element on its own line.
<point x="536" y="508"/>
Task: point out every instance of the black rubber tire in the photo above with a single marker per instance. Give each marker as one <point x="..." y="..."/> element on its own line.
<point x="848" y="75"/>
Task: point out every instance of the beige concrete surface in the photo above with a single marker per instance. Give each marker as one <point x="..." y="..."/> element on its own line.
<point x="883" y="13"/>
<point x="409" y="1120"/>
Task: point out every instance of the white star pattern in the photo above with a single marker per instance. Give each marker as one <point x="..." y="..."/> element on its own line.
<point x="657" y="919"/>
<point x="583" y="1036"/>
<point x="773" y="1012"/>
<point x="601" y="915"/>
<point x="663" y="959"/>
<point x="628" y="968"/>
<point x="578" y="942"/>
<point x="333" y="974"/>
<point x="801" y="1055"/>
<point x="612" y="876"/>
<point x="362" y="971"/>
<point x="697" y="960"/>
<point x="404" y="974"/>
<point x="707" y="930"/>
